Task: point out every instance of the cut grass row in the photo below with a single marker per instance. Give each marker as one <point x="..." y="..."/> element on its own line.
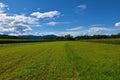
<point x="69" y="60"/>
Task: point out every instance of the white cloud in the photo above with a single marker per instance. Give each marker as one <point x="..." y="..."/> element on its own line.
<point x="90" y="31"/>
<point x="96" y="31"/>
<point x="8" y="8"/>
<point x="58" y="33"/>
<point x="117" y="24"/>
<point x="21" y="24"/>
<point x="2" y="7"/>
<point x="16" y="23"/>
<point x="75" y="29"/>
<point x="82" y="6"/>
<point x="98" y="25"/>
<point x="6" y="30"/>
<point x="49" y="14"/>
<point x="52" y="23"/>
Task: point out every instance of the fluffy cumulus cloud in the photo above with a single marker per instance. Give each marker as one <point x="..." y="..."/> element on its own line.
<point x="50" y="14"/>
<point x="21" y="24"/>
<point x="17" y="24"/>
<point x="96" y="31"/>
<point x="117" y="24"/>
<point x="91" y="31"/>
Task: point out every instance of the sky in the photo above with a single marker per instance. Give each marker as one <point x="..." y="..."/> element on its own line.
<point x="59" y="17"/>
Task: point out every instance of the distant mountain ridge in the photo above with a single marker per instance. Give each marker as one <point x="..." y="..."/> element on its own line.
<point x="37" y="37"/>
<point x="28" y="37"/>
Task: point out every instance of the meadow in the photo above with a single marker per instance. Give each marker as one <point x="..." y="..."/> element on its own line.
<point x="60" y="60"/>
<point x="106" y="41"/>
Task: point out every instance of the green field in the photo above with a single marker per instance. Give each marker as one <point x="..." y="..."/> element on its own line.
<point x="106" y="41"/>
<point x="65" y="60"/>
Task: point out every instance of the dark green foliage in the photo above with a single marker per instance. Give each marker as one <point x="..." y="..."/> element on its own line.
<point x="68" y="37"/>
<point x="98" y="36"/>
<point x="61" y="38"/>
<point x="8" y="37"/>
<point x="106" y="41"/>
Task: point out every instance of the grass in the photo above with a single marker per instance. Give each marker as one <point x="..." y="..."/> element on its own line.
<point x="66" y="60"/>
<point x="107" y="41"/>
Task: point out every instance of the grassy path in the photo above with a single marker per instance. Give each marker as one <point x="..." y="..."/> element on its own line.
<point x="59" y="61"/>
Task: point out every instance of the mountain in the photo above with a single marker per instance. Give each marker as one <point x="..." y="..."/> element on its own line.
<point x="37" y="37"/>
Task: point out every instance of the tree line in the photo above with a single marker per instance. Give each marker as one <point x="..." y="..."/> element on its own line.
<point x="8" y="37"/>
<point x="68" y="37"/>
<point x="98" y="36"/>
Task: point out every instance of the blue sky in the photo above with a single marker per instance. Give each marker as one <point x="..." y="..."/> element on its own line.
<point x="59" y="17"/>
